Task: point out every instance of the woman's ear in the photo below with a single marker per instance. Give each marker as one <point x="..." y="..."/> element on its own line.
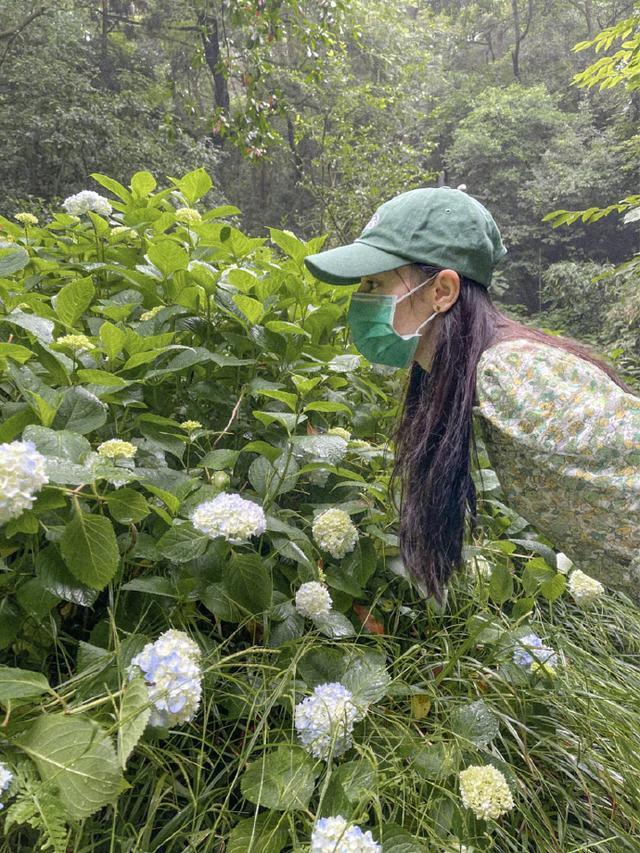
<point x="447" y="289"/>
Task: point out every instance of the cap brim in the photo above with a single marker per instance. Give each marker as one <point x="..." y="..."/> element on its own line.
<point x="347" y="264"/>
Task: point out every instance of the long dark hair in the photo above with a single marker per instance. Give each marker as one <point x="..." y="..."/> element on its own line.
<point x="433" y="434"/>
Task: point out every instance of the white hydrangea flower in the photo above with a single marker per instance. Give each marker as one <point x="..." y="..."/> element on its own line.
<point x="151" y="313"/>
<point x="313" y="600"/>
<point x="584" y="588"/>
<point x="22" y="474"/>
<point x="485" y="791"/>
<point x="171" y="669"/>
<point x="456" y="846"/>
<point x="325" y="718"/>
<point x="188" y="214"/>
<point x="26" y="218"/>
<point x="336" y="835"/>
<point x="87" y="200"/>
<point x="121" y="229"/>
<point x="231" y="516"/>
<point x="116" y="448"/>
<point x="481" y="566"/>
<point x="340" y="431"/>
<point x="530" y="648"/>
<point x="77" y="343"/>
<point x="334" y="532"/>
<point x="6" y="777"/>
<point x="563" y="563"/>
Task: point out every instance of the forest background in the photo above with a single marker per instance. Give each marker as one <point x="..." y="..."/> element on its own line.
<point x="124" y="325"/>
<point x="308" y="115"/>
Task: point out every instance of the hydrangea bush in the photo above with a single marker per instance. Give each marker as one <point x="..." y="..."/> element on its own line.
<point x="209" y="639"/>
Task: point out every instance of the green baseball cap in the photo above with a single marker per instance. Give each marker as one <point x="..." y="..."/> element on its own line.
<point x="442" y="226"/>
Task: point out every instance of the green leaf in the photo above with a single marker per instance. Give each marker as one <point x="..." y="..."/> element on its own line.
<point x="395" y="839"/>
<point x="35" y="599"/>
<point x="248" y="583"/>
<point x="112" y="339"/>
<point x="365" y="675"/>
<point x="10" y="622"/>
<point x="291" y="627"/>
<point x="282" y="327"/>
<point x="289" y="244"/>
<point x="80" y="411"/>
<point x="170" y="500"/>
<point x="218" y="460"/>
<point x="73" y="300"/>
<point x="251" y="308"/>
<point x="37" y="326"/>
<point x="287" y="419"/>
<point x="41" y="809"/>
<point x="194" y="184"/>
<point x="62" y="444"/>
<point x="263" y="448"/>
<point x="554" y="587"/>
<point x="320" y="665"/>
<point x="12" y="259"/>
<point x="273" y="478"/>
<point x="113" y="185"/>
<point x="327" y="406"/>
<point x="547" y="553"/>
<point x="101" y="377"/>
<point x="168" y="256"/>
<point x="21" y="684"/>
<point x="16" y="352"/>
<point x="535" y="573"/>
<point x="58" y="580"/>
<point x="182" y="543"/>
<point x="77" y="757"/>
<point x="89" y="547"/>
<point x="152" y="586"/>
<point x="285" y="397"/>
<point x="260" y="834"/>
<point x="127" y="506"/>
<point x="335" y="625"/>
<point x="12" y="427"/>
<point x="133" y="716"/>
<point x="475" y="722"/>
<point x="283" y="779"/>
<point x="500" y="584"/>
<point x="142" y="184"/>
<point x="216" y="599"/>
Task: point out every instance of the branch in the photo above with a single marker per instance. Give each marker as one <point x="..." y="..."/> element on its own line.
<point x="5" y="34"/>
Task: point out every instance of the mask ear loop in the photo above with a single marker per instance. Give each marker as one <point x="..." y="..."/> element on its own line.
<point x="424" y="322"/>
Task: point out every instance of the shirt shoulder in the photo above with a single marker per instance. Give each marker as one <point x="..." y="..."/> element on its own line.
<point x="537" y="388"/>
<point x="564" y="440"/>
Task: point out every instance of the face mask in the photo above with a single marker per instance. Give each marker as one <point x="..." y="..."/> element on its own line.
<point x="370" y="318"/>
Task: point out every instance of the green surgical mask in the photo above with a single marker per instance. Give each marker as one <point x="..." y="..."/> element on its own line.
<point x="370" y="318"/>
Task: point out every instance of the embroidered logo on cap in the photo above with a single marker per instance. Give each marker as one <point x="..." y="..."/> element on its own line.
<point x="371" y="223"/>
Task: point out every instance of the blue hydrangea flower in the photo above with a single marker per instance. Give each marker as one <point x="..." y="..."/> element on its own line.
<point x="6" y="777"/>
<point x="335" y="835"/>
<point x="171" y="669"/>
<point x="529" y="648"/>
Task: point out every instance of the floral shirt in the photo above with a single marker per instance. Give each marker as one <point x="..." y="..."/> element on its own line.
<point x="564" y="441"/>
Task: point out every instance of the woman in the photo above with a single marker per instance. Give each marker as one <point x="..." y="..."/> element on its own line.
<point x="561" y="429"/>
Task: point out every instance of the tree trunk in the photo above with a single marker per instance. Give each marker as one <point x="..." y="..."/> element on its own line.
<point x="515" y="53"/>
<point x="211" y="43"/>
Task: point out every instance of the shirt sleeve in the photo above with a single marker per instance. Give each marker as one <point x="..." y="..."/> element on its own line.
<point x="564" y="441"/>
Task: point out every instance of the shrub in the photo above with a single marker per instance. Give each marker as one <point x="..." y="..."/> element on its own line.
<point x="192" y="440"/>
